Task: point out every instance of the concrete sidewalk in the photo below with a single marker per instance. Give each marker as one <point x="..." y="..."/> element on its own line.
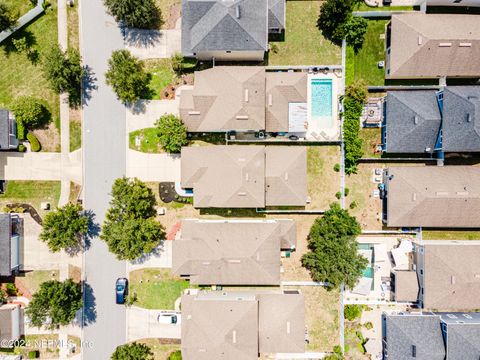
<point x="153" y="167"/>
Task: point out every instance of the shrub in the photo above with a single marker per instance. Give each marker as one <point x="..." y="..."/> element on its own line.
<point x="338" y="195"/>
<point x="33" y="354"/>
<point x="133" y="351"/>
<point x="274" y="48"/>
<point x="34" y="143"/>
<point x="177" y="62"/>
<point x="22" y="148"/>
<point x="352" y="312"/>
<point x="30" y="112"/>
<point x="172" y="133"/>
<point x="20" y="45"/>
<point x="336" y="168"/>
<point x="20" y="131"/>
<point x="176" y="355"/>
<point x="3" y="296"/>
<point x="346" y="191"/>
<point x="8" y="19"/>
<point x="353" y="205"/>
<point x="11" y="289"/>
<point x="368" y="325"/>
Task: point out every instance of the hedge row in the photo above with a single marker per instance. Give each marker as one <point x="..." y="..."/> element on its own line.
<point x="34" y="143"/>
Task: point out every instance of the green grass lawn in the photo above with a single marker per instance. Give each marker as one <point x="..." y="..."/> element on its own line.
<point x="21" y="7"/>
<point x="32" y="279"/>
<point x="451" y="235"/>
<point x="73" y="27"/>
<point x="159" y="288"/>
<point x="18" y="75"/>
<point x="304" y="44"/>
<point x="364" y="7"/>
<point x="371" y="137"/>
<point x="75" y="135"/>
<point x="162" y="75"/>
<point x="364" y="63"/>
<point x="31" y="192"/>
<point x="149" y="141"/>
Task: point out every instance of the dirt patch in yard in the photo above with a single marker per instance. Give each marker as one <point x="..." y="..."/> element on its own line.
<point x="168" y="93"/>
<point x="49" y="138"/>
<point x="173" y="16"/>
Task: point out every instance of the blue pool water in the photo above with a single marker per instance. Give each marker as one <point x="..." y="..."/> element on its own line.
<point x="321" y="106"/>
<point x="368" y="272"/>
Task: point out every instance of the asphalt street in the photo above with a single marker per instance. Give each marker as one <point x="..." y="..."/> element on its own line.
<point x="104" y="160"/>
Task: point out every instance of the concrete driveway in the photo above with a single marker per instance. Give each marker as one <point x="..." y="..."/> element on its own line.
<point x="142" y="324"/>
<point x="162" y="258"/>
<point x="146" y="112"/>
<point x="154" y="44"/>
<point x="153" y="167"/>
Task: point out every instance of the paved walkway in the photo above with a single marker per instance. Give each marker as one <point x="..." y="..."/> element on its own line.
<point x="153" y="167"/>
<point x="154" y="44"/>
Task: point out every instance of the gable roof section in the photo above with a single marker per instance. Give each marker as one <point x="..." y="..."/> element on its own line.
<point x="420" y="333"/>
<point x="413" y="121"/>
<point x="213" y="25"/>
<point x="276" y="14"/>
<point x="219" y="328"/>
<point x="229" y="252"/>
<point x="225" y="176"/>
<point x="433" y="196"/>
<point x="463" y="341"/>
<point x="5" y="245"/>
<point x="286" y="181"/>
<point x="461" y="114"/>
<point x="452" y="276"/>
<point x="433" y="45"/>
<point x="4" y="129"/>
<point x="281" y="327"/>
<point x="283" y="88"/>
<point x="225" y="98"/>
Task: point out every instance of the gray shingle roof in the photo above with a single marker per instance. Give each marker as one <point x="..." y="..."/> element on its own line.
<point x="461" y="114"/>
<point x="5" y="243"/>
<point x="4" y="129"/>
<point x="213" y="25"/>
<point x="403" y="332"/>
<point x="463" y="341"/>
<point x="276" y="14"/>
<point x="412" y="121"/>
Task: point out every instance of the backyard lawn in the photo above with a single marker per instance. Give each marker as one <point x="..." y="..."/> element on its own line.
<point x="364" y="64"/>
<point x="31" y="280"/>
<point x="31" y="192"/>
<point x="371" y="138"/>
<point x="156" y="288"/>
<point x="18" y="75"/>
<point x="303" y="44"/>
<point x="322" y="181"/>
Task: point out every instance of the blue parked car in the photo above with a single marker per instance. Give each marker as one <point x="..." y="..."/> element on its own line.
<point x="121" y="290"/>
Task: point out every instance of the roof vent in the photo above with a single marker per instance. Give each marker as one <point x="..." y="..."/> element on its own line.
<point x="234" y="336"/>
<point x="247" y="176"/>
<point x="445" y="44"/>
<point x="462" y="193"/>
<point x="415" y="120"/>
<point x="194" y="113"/>
<point x="469" y="117"/>
<point x="242" y="193"/>
<point x="270" y="100"/>
<point x="441" y="193"/>
<point x="246" y="95"/>
<point x="414" y="196"/>
<point x="237" y="11"/>
<point x="465" y="44"/>
<point x="286" y="176"/>
<point x="420" y="40"/>
<point x="234" y="261"/>
<point x="288" y="327"/>
<point x="414" y="351"/>
<point x="452" y="280"/>
<point x="241" y="117"/>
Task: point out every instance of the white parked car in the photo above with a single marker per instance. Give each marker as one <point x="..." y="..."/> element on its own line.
<point x="169" y="318"/>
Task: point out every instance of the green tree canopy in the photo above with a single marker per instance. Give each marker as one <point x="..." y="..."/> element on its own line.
<point x="64" y="228"/>
<point x="127" y="76"/>
<point x="172" y="133"/>
<point x="8" y="19"/>
<point x="58" y="301"/>
<point x="64" y="72"/>
<point x="334" y="17"/>
<point x="333" y="255"/>
<point x="355" y="29"/>
<point x="130" y="229"/>
<point x="133" y="351"/>
<point x="31" y="112"/>
<point x="143" y="14"/>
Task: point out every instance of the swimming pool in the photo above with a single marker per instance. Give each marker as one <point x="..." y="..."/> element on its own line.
<point x="321" y="103"/>
<point x="368" y="272"/>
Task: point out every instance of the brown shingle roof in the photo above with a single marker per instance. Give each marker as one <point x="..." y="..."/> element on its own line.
<point x="452" y="275"/>
<point x="434" y="45"/>
<point x="285" y="175"/>
<point x="238" y="252"/>
<point x="235" y="176"/>
<point x="406" y="286"/>
<point x="225" y="98"/>
<point x="283" y="88"/>
<point x="433" y="196"/>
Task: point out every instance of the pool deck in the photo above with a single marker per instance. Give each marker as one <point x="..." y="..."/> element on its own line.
<point x="314" y="131"/>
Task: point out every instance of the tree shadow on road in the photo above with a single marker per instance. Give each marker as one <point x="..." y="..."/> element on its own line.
<point x="89" y="305"/>
<point x="93" y="230"/>
<point x="88" y="84"/>
<point x="142" y="38"/>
